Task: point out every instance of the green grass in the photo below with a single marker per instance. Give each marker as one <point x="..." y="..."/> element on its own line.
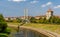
<point x="11" y="23"/>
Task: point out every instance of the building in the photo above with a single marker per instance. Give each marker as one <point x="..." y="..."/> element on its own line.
<point x="49" y="14"/>
<point x="6" y="18"/>
<point x="23" y="17"/>
<point x="38" y="17"/>
<point x="10" y="18"/>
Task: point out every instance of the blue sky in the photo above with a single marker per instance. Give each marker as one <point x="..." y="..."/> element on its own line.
<point x="35" y="7"/>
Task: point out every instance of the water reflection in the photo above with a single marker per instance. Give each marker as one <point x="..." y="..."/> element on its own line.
<point x="19" y="34"/>
<point x="28" y="34"/>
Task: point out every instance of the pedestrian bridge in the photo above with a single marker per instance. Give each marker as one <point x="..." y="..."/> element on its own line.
<point x="34" y="32"/>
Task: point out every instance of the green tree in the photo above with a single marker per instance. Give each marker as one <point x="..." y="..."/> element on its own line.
<point x="42" y="20"/>
<point x="33" y="20"/>
<point x="3" y="25"/>
<point x="54" y="20"/>
<point x="1" y="18"/>
<point x="19" y="20"/>
<point x="57" y="20"/>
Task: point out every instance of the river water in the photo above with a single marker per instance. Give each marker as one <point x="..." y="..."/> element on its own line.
<point x="27" y="34"/>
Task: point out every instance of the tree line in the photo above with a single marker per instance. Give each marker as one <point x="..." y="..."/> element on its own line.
<point x="51" y="20"/>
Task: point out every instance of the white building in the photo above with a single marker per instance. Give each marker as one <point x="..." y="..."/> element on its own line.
<point x="11" y="18"/>
<point x="49" y="14"/>
<point x="6" y="18"/>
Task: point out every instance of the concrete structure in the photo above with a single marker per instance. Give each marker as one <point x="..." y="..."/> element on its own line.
<point x="25" y="13"/>
<point x="26" y="20"/>
<point x="49" y="14"/>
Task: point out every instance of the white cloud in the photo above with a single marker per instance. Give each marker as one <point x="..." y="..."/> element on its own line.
<point x="17" y="0"/>
<point x="47" y="4"/>
<point x="58" y="6"/>
<point x="43" y="5"/>
<point x="33" y="2"/>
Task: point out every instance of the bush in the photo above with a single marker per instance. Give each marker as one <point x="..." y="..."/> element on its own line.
<point x="3" y="26"/>
<point x="33" y="20"/>
<point x="3" y="35"/>
<point x="7" y="31"/>
<point x="18" y="20"/>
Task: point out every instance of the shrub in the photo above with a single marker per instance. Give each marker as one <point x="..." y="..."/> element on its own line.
<point x="3" y="35"/>
<point x="3" y="26"/>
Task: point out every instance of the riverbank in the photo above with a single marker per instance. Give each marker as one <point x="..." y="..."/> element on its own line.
<point x="51" y="27"/>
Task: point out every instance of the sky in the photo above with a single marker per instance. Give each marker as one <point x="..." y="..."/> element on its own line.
<point x="14" y="8"/>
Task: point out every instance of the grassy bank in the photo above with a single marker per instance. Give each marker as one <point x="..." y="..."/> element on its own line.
<point x="50" y="27"/>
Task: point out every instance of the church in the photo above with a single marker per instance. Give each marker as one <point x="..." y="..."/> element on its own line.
<point x="49" y="13"/>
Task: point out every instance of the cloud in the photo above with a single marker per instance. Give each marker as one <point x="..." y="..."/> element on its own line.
<point x="43" y="5"/>
<point x="17" y="0"/>
<point x="47" y="4"/>
<point x="58" y="6"/>
<point x="33" y="2"/>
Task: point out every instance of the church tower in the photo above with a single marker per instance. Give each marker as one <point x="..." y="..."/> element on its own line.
<point x="49" y="13"/>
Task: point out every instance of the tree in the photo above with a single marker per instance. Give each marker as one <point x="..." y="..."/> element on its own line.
<point x="54" y="20"/>
<point x="3" y="25"/>
<point x="1" y="18"/>
<point x="33" y="20"/>
<point x="19" y="20"/>
<point x="57" y="20"/>
<point x="42" y="20"/>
